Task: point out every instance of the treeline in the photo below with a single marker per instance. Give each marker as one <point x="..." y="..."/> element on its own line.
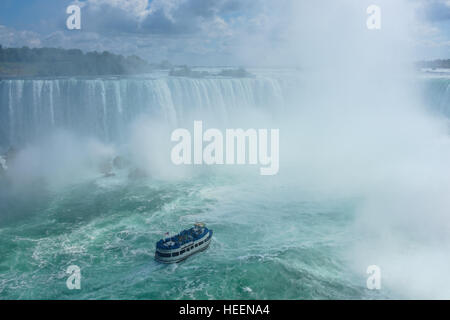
<point x="435" y="64"/>
<point x="61" y="62"/>
<point x="185" y="71"/>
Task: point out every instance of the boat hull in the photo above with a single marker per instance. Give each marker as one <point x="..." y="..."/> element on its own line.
<point x="181" y="254"/>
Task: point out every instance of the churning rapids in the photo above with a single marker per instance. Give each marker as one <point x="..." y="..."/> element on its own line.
<point x="281" y="237"/>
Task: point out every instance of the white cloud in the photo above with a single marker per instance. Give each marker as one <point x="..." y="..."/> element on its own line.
<point x="138" y="8"/>
<point x="167" y="6"/>
<point x="12" y="38"/>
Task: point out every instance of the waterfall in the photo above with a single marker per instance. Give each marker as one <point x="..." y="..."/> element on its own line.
<point x="104" y="107"/>
<point x="437" y="95"/>
<point x="444" y="104"/>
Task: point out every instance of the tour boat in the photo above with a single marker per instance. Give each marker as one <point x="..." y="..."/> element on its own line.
<point x="186" y="243"/>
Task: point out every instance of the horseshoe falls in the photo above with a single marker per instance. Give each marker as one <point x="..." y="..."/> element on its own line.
<point x="91" y="184"/>
<point x="103" y="108"/>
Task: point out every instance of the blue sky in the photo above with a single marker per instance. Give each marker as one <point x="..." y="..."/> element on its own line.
<point x="187" y="31"/>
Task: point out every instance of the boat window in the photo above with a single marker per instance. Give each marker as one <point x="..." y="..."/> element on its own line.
<point x="175" y="254"/>
<point x="164" y="255"/>
<point x="182" y="251"/>
<point x="201" y="242"/>
<point x="196" y="245"/>
<point x="192" y="247"/>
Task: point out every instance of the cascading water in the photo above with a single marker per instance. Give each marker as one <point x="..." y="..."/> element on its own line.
<point x="437" y="94"/>
<point x="104" y="107"/>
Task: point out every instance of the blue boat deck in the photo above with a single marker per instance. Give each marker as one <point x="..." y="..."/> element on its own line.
<point x="184" y="237"/>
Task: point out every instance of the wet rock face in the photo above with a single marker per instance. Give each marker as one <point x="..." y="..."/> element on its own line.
<point x="109" y="167"/>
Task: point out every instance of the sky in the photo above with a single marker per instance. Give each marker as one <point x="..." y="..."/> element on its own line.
<point x="197" y="32"/>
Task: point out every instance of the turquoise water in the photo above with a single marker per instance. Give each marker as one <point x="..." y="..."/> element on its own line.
<point x="268" y="242"/>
